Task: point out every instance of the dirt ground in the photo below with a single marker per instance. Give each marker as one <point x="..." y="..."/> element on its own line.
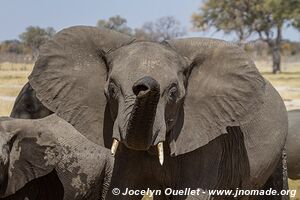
<point x="14" y="76"/>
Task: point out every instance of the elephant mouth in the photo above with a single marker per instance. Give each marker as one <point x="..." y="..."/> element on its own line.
<point x="159" y="146"/>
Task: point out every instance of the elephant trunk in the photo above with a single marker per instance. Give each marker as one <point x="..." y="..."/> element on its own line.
<point x="140" y="124"/>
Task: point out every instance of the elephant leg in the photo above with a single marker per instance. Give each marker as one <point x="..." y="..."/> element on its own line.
<point x="47" y="187"/>
<point x="278" y="180"/>
<point x="119" y="191"/>
<point x="128" y="175"/>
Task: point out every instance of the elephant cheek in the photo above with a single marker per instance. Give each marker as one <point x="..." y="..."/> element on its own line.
<point x="117" y="133"/>
<point x="160" y="135"/>
<point x="113" y="108"/>
<point x="159" y="128"/>
<point x="118" y="116"/>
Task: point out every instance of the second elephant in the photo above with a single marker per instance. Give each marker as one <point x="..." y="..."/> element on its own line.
<point x="48" y="159"/>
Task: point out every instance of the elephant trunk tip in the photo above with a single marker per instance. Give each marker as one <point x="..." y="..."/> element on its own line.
<point x="146" y="85"/>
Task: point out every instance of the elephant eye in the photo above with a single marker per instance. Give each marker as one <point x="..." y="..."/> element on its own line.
<point x="173" y="94"/>
<point x="112" y="90"/>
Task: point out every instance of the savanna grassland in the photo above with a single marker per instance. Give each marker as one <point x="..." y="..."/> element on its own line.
<point x="14" y="76"/>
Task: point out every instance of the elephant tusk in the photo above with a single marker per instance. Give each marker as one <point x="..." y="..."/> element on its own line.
<point x="114" y="147"/>
<point x="160" y="148"/>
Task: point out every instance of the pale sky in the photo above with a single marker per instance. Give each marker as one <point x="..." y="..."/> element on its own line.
<point x="16" y="15"/>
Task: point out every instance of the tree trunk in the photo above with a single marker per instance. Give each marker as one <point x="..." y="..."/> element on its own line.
<point x="275" y="45"/>
<point x="276" y="51"/>
<point x="276" y="59"/>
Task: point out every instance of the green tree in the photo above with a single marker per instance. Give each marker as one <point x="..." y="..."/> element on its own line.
<point x="296" y="17"/>
<point x="34" y="37"/>
<point x="117" y="23"/>
<point x="13" y="46"/>
<point x="227" y="16"/>
<point x="266" y="18"/>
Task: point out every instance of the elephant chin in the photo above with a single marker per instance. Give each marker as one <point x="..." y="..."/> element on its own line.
<point x="159" y="146"/>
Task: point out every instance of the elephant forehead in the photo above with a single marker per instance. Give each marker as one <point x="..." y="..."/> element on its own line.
<point x="128" y="73"/>
<point x="146" y="59"/>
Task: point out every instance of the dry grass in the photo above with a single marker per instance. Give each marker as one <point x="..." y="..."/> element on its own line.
<point x="290" y="79"/>
<point x="5" y="107"/>
<point x="9" y="91"/>
<point x="6" y="66"/>
<point x="14" y="76"/>
<point x="295" y="185"/>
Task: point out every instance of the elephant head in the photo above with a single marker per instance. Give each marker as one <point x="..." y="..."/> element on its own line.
<point x="181" y="92"/>
<point x="39" y="156"/>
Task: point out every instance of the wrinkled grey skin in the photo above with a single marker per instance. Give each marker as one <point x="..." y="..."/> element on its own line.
<point x="49" y="159"/>
<point x="222" y="125"/>
<point x="293" y="145"/>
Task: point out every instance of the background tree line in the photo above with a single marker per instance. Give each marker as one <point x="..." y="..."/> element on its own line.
<point x="164" y="28"/>
<point x="261" y="21"/>
<point x="264" y="19"/>
<point x="29" y="41"/>
<point x="34" y="36"/>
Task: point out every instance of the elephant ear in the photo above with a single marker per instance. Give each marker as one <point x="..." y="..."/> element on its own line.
<point x="29" y="147"/>
<point x="70" y="74"/>
<point x="224" y="88"/>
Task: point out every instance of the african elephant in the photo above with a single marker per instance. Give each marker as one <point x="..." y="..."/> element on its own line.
<point x="186" y="113"/>
<point x="47" y="159"/>
<point x="293" y="144"/>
